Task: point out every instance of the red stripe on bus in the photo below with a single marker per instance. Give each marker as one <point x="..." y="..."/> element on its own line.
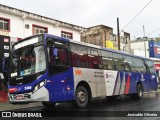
<point x="127" y="85"/>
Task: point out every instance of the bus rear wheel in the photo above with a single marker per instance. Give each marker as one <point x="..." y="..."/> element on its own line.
<point x="139" y="94"/>
<point x="49" y="104"/>
<point x="81" y="97"/>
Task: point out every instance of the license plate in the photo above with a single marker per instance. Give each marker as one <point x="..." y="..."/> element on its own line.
<point x="19" y="97"/>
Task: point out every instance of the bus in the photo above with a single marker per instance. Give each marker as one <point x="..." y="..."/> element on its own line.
<point x="52" y="69"/>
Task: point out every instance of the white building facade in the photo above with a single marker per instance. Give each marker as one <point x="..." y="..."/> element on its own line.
<point x="140" y="48"/>
<point x="19" y="24"/>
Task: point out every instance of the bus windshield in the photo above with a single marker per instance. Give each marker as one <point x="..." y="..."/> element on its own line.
<point x="28" y="61"/>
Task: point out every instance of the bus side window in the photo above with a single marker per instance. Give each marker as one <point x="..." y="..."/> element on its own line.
<point x="128" y="63"/>
<point x="118" y="61"/>
<point x="150" y="66"/>
<point x="139" y="65"/>
<point x="56" y="58"/>
<point x="127" y="67"/>
<point x="94" y="59"/>
<point x="147" y="67"/>
<point x="79" y="57"/>
<point x="107" y="60"/>
<point x="60" y="56"/>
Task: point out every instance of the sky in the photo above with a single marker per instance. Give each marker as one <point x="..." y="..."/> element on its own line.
<point x="88" y="13"/>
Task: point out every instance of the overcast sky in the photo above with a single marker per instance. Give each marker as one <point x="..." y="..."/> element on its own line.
<point x="89" y="13"/>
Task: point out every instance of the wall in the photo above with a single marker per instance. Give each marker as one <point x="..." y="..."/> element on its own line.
<point x="17" y="27"/>
<point x="97" y="35"/>
<point x="16" y="24"/>
<point x="103" y="36"/>
<point x="138" y="48"/>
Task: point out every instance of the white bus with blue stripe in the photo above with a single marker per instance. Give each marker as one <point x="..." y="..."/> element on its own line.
<point x="52" y="69"/>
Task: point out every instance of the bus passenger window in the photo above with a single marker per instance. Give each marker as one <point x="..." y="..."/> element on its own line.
<point x="55" y="55"/>
<point x="107" y="60"/>
<point x="127" y="67"/>
<point x="150" y="65"/>
<point x="118" y="61"/>
<point x="94" y="59"/>
<point x="128" y="63"/>
<point x="108" y="63"/>
<point x="79" y="57"/>
<point x="139" y="65"/>
<point x="60" y="56"/>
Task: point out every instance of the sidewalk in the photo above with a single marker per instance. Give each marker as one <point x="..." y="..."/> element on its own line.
<point x="3" y="96"/>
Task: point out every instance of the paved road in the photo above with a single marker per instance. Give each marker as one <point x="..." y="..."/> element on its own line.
<point x="150" y="102"/>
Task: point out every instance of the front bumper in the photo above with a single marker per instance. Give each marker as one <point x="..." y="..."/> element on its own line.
<point x="40" y="95"/>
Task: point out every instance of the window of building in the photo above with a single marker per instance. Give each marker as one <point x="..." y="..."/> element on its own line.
<point x="39" y="29"/>
<point x="4" y="24"/>
<point x="66" y="34"/>
<point x="112" y="37"/>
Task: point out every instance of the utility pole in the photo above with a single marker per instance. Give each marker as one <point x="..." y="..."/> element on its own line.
<point x="118" y="34"/>
<point x="144" y="41"/>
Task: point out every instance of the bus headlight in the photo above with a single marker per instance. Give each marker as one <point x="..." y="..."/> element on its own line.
<point x="39" y="85"/>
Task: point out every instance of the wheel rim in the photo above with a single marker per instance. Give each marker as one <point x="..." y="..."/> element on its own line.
<point x="140" y="91"/>
<point x="81" y="96"/>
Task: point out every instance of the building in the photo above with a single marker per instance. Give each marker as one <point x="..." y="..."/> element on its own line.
<point x="19" y="24"/>
<point x="140" y="47"/>
<point x="103" y="36"/>
<point x="126" y="42"/>
<point x="97" y="35"/>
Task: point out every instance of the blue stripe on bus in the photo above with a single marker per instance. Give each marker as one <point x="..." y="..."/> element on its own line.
<point x="61" y="87"/>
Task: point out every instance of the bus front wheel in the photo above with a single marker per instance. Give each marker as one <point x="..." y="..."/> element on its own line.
<point x="49" y="104"/>
<point x="81" y="97"/>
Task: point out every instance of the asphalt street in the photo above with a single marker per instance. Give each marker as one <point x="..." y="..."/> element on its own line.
<point x="103" y="108"/>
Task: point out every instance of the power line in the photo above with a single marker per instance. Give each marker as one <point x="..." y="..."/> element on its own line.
<point x="137" y="15"/>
